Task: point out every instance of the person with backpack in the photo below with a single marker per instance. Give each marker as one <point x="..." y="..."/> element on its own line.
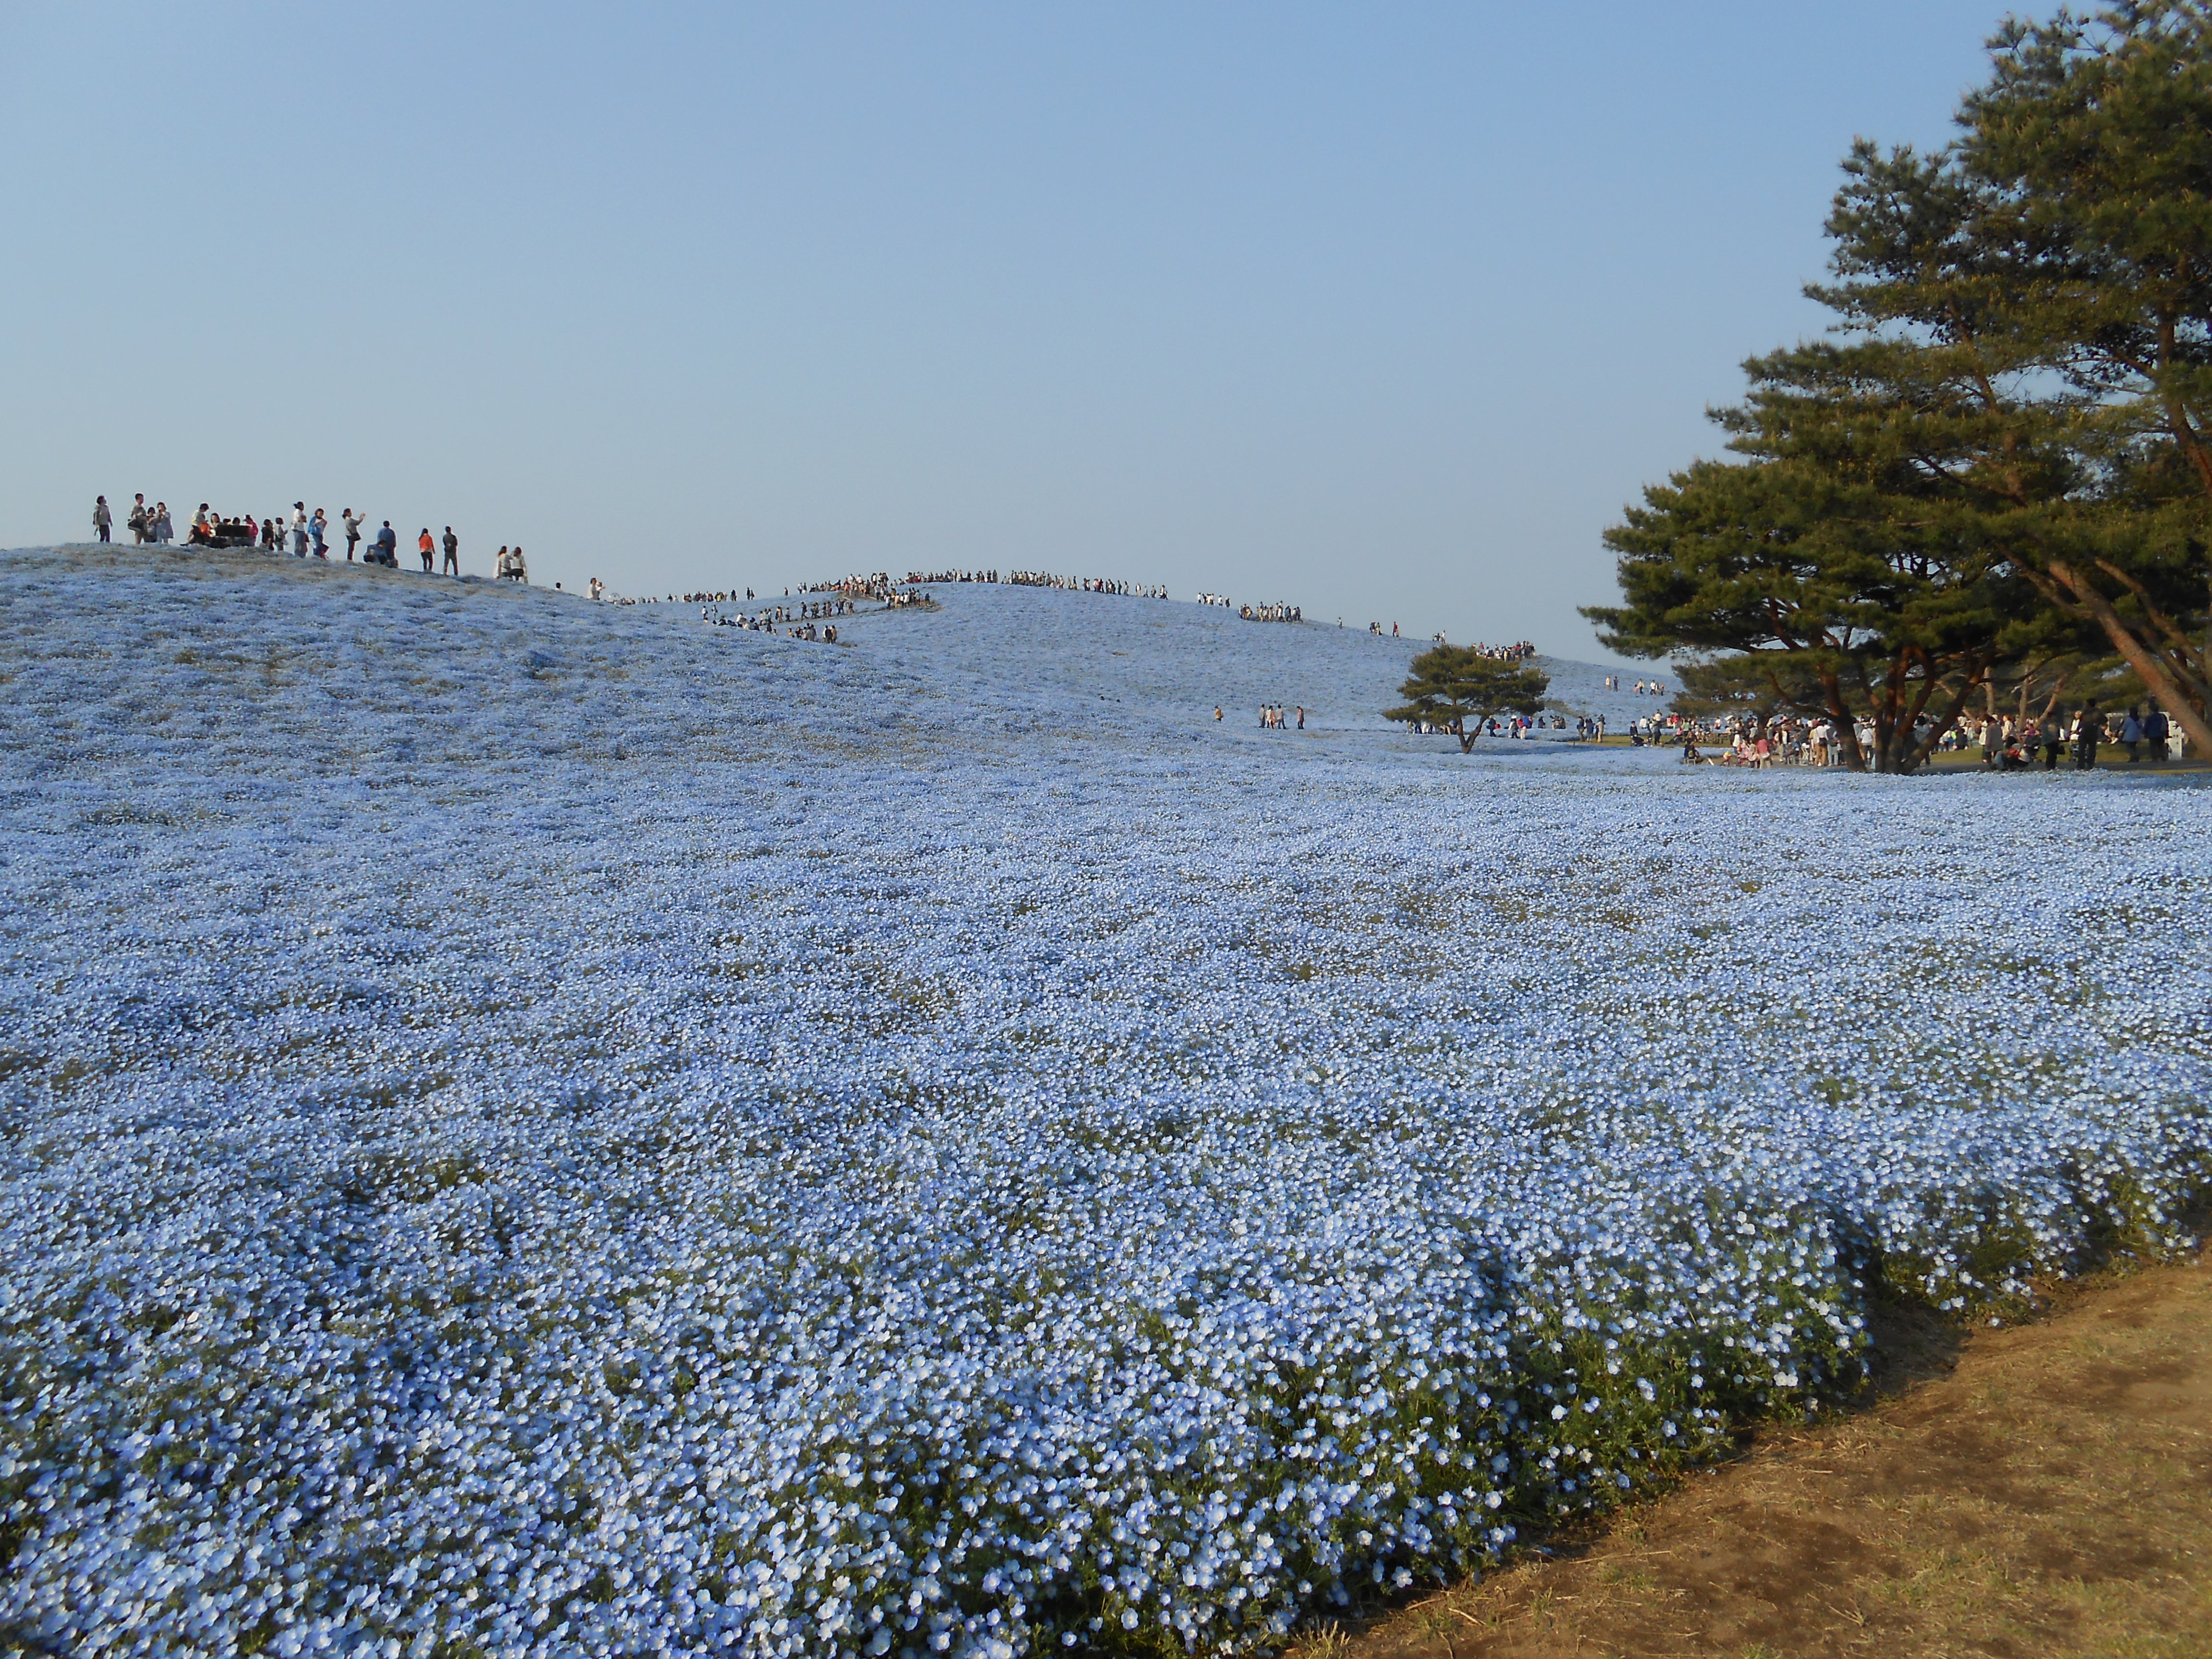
<point x="453" y="553"/>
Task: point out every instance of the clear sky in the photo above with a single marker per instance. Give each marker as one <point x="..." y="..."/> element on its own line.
<point x="1381" y="309"/>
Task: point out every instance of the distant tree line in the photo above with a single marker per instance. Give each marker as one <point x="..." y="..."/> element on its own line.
<point x="1995" y="477"/>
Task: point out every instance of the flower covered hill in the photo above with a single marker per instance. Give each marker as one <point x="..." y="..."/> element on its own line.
<point x="539" y="1128"/>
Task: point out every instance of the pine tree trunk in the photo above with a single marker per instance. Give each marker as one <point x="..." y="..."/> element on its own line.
<point x="2086" y="600"/>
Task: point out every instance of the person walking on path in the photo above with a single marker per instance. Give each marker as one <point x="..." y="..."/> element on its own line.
<point x="427" y="548"/>
<point x="453" y="553"/>
<point x="102" y="518"/>
<point x="353" y="522"/>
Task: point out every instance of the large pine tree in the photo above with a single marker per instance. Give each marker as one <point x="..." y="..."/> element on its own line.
<point x="2008" y="453"/>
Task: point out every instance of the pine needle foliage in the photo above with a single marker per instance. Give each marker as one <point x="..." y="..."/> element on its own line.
<point x="1460" y="689"/>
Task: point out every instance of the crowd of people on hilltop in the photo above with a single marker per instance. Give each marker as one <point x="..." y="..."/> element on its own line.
<point x="807" y="621"/>
<point x="300" y="532"/>
<point x="1271" y="613"/>
<point x="1087" y="585"/>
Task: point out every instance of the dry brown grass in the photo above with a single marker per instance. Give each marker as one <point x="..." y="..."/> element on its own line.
<point x="2047" y="1493"/>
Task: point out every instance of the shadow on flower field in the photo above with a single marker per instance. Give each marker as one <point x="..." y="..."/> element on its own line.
<point x="2034" y="1490"/>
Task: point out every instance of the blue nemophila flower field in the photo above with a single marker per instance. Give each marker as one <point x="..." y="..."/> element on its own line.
<point x="537" y="1128"/>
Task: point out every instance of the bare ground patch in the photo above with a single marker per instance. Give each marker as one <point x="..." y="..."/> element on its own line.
<point x="2044" y="1490"/>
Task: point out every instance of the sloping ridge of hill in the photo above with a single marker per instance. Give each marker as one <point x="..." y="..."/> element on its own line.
<point x="240" y="654"/>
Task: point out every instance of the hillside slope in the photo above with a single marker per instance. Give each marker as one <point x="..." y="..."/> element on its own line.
<point x="530" y="1128"/>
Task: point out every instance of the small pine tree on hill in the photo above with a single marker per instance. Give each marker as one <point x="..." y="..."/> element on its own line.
<point x="1454" y="684"/>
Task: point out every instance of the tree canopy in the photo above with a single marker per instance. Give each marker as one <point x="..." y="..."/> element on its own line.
<point x="2002" y="456"/>
<point x="1455" y="685"/>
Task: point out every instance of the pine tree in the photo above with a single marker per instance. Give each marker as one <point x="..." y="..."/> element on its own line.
<point x="1453" y="684"/>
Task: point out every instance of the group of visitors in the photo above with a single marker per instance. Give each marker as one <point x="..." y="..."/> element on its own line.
<point x="1376" y="629"/>
<point x="301" y="533"/>
<point x="1272" y="718"/>
<point x="1221" y="599"/>
<point x="2011" y="744"/>
<point x="1290" y="613"/>
<point x="1082" y="584"/>
<point x="779" y="620"/>
<point x="915" y="579"/>
<point x="1643" y="688"/>
<point x="2008" y="743"/>
<point x="809" y="619"/>
<point x="1521" y="727"/>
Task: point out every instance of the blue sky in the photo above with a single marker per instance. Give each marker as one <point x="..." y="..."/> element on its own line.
<point x="1385" y="310"/>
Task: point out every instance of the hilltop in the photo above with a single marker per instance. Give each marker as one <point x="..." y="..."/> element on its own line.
<point x="236" y="653"/>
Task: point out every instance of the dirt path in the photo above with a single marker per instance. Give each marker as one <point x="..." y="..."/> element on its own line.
<point x="2052" y="1495"/>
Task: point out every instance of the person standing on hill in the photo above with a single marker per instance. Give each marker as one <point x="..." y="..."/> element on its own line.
<point x="427" y="548"/>
<point x="102" y="518"/>
<point x="138" y="520"/>
<point x="318" y="530"/>
<point x="453" y="552"/>
<point x="353" y="523"/>
<point x="299" y="530"/>
<point x="387" y="547"/>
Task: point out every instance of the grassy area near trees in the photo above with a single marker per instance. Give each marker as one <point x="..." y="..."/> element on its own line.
<point x="2000" y="462"/>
